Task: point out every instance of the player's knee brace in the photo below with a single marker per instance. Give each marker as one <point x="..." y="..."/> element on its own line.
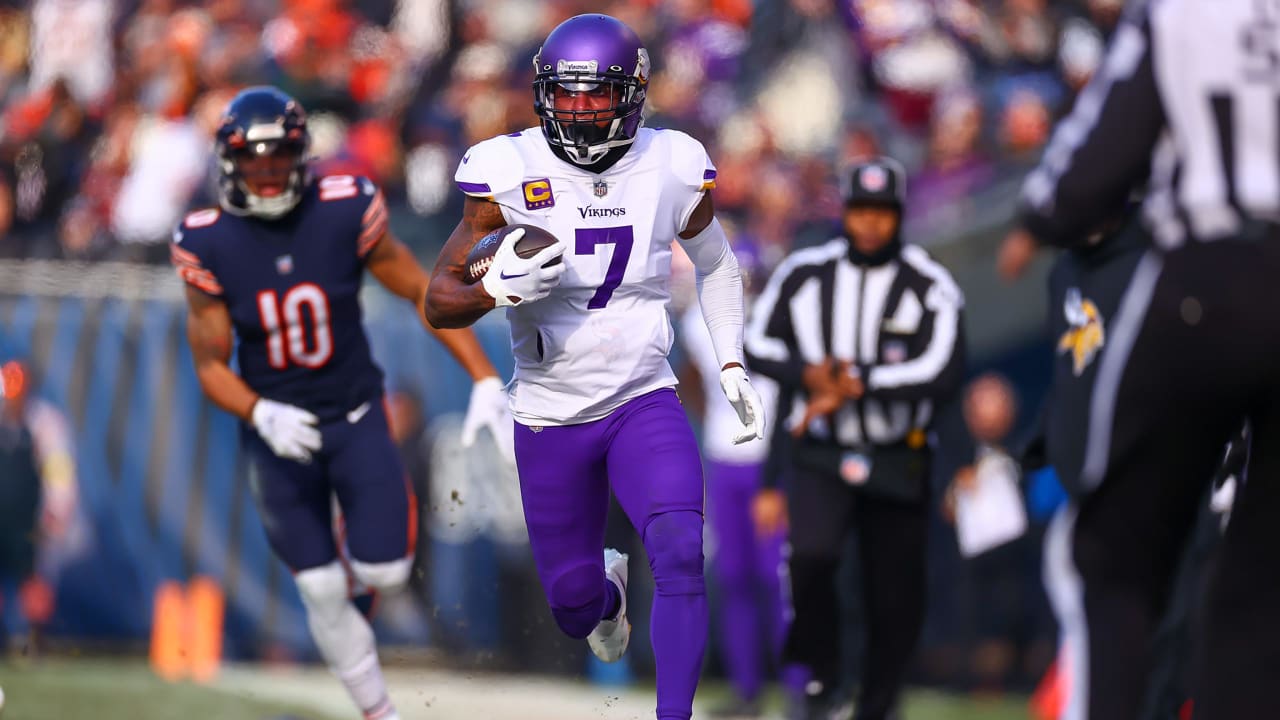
<point x="384" y="576"/>
<point x="673" y="541"/>
<point x="323" y="590"/>
<point x="577" y="598"/>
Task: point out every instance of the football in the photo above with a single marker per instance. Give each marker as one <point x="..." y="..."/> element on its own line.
<point x="481" y="256"/>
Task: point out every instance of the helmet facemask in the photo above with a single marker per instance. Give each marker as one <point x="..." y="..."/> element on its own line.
<point x="265" y="170"/>
<point x="609" y="117"/>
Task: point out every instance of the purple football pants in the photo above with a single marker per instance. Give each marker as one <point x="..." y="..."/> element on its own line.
<point x="747" y="571"/>
<point x="645" y="451"/>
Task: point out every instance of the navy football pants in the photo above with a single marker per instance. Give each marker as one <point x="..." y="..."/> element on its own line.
<point x="360" y="464"/>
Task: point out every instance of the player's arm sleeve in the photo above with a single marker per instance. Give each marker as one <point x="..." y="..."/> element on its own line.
<point x="936" y="372"/>
<point x="374" y="222"/>
<point x="719" y="290"/>
<point x="492" y="170"/>
<point x="1103" y="149"/>
<point x="770" y="340"/>
<point x="716" y="267"/>
<point x="191" y="258"/>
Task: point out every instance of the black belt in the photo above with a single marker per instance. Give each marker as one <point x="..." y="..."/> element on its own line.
<point x="897" y="470"/>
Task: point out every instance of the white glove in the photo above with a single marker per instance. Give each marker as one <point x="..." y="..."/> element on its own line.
<point x="745" y="401"/>
<point x="512" y="280"/>
<point x="290" y="431"/>
<point x="489" y="407"/>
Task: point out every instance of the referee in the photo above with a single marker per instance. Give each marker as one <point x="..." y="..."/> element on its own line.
<point x="866" y="333"/>
<point x="1189" y="97"/>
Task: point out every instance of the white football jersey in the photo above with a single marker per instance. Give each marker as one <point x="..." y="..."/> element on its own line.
<point x="720" y="421"/>
<point x="602" y="337"/>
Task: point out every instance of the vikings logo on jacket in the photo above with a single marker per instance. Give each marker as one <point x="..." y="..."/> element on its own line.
<point x="1085" y="335"/>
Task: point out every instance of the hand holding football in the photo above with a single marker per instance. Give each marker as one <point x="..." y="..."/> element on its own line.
<point x="481" y="256"/>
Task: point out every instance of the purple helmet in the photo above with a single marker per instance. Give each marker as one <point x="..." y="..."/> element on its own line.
<point x="590" y="53"/>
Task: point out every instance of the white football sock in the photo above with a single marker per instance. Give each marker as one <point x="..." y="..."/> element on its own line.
<point x="345" y="639"/>
<point x="365" y="684"/>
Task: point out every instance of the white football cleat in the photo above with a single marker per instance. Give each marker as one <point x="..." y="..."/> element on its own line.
<point x="609" y="640"/>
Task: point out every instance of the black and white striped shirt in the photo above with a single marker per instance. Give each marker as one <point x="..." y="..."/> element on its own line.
<point x="899" y="322"/>
<point x="1189" y="96"/>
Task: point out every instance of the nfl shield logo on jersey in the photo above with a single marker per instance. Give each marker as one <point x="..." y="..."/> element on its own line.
<point x="601" y="188"/>
<point x="284" y="264"/>
<point x="895" y="351"/>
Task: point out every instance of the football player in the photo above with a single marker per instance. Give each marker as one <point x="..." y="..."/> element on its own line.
<point x="594" y="396"/>
<point x="747" y="549"/>
<point x="278" y="268"/>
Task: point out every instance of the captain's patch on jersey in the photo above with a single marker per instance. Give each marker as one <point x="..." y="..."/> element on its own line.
<point x="537" y="194"/>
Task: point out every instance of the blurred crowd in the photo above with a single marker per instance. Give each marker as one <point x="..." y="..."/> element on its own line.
<point x="109" y="105"/>
<point x="107" y="114"/>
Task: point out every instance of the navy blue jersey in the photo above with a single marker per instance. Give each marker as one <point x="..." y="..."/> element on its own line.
<point x="291" y="286"/>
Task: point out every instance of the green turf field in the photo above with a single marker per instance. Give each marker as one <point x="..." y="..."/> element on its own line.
<point x="921" y="705"/>
<point x="124" y="690"/>
<point x="66" y="689"/>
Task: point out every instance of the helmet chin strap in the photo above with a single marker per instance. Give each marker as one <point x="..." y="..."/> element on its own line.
<point x="592" y="154"/>
<point x="271" y="207"/>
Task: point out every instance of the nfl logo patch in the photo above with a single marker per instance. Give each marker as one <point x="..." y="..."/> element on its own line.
<point x="284" y="264"/>
<point x="601" y="188"/>
<point x="895" y="352"/>
<point x="874" y="178"/>
<point x="855" y="468"/>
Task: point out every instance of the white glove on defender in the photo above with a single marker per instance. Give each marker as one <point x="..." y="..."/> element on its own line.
<point x="290" y="431"/>
<point x="489" y="407"/>
<point x="745" y="401"/>
<point x="512" y="280"/>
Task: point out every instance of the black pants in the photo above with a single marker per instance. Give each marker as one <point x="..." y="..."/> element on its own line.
<point x="891" y="537"/>
<point x="1193" y="350"/>
<point x="1169" y="688"/>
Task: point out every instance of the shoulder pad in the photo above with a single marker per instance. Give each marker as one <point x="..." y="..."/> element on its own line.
<point x="490" y="167"/>
<point x="192" y="250"/>
<point x="197" y="223"/>
<point x="688" y="160"/>
<point x="331" y="188"/>
<point x="197" y="219"/>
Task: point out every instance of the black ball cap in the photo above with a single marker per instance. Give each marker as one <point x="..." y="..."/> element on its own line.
<point x="882" y="181"/>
